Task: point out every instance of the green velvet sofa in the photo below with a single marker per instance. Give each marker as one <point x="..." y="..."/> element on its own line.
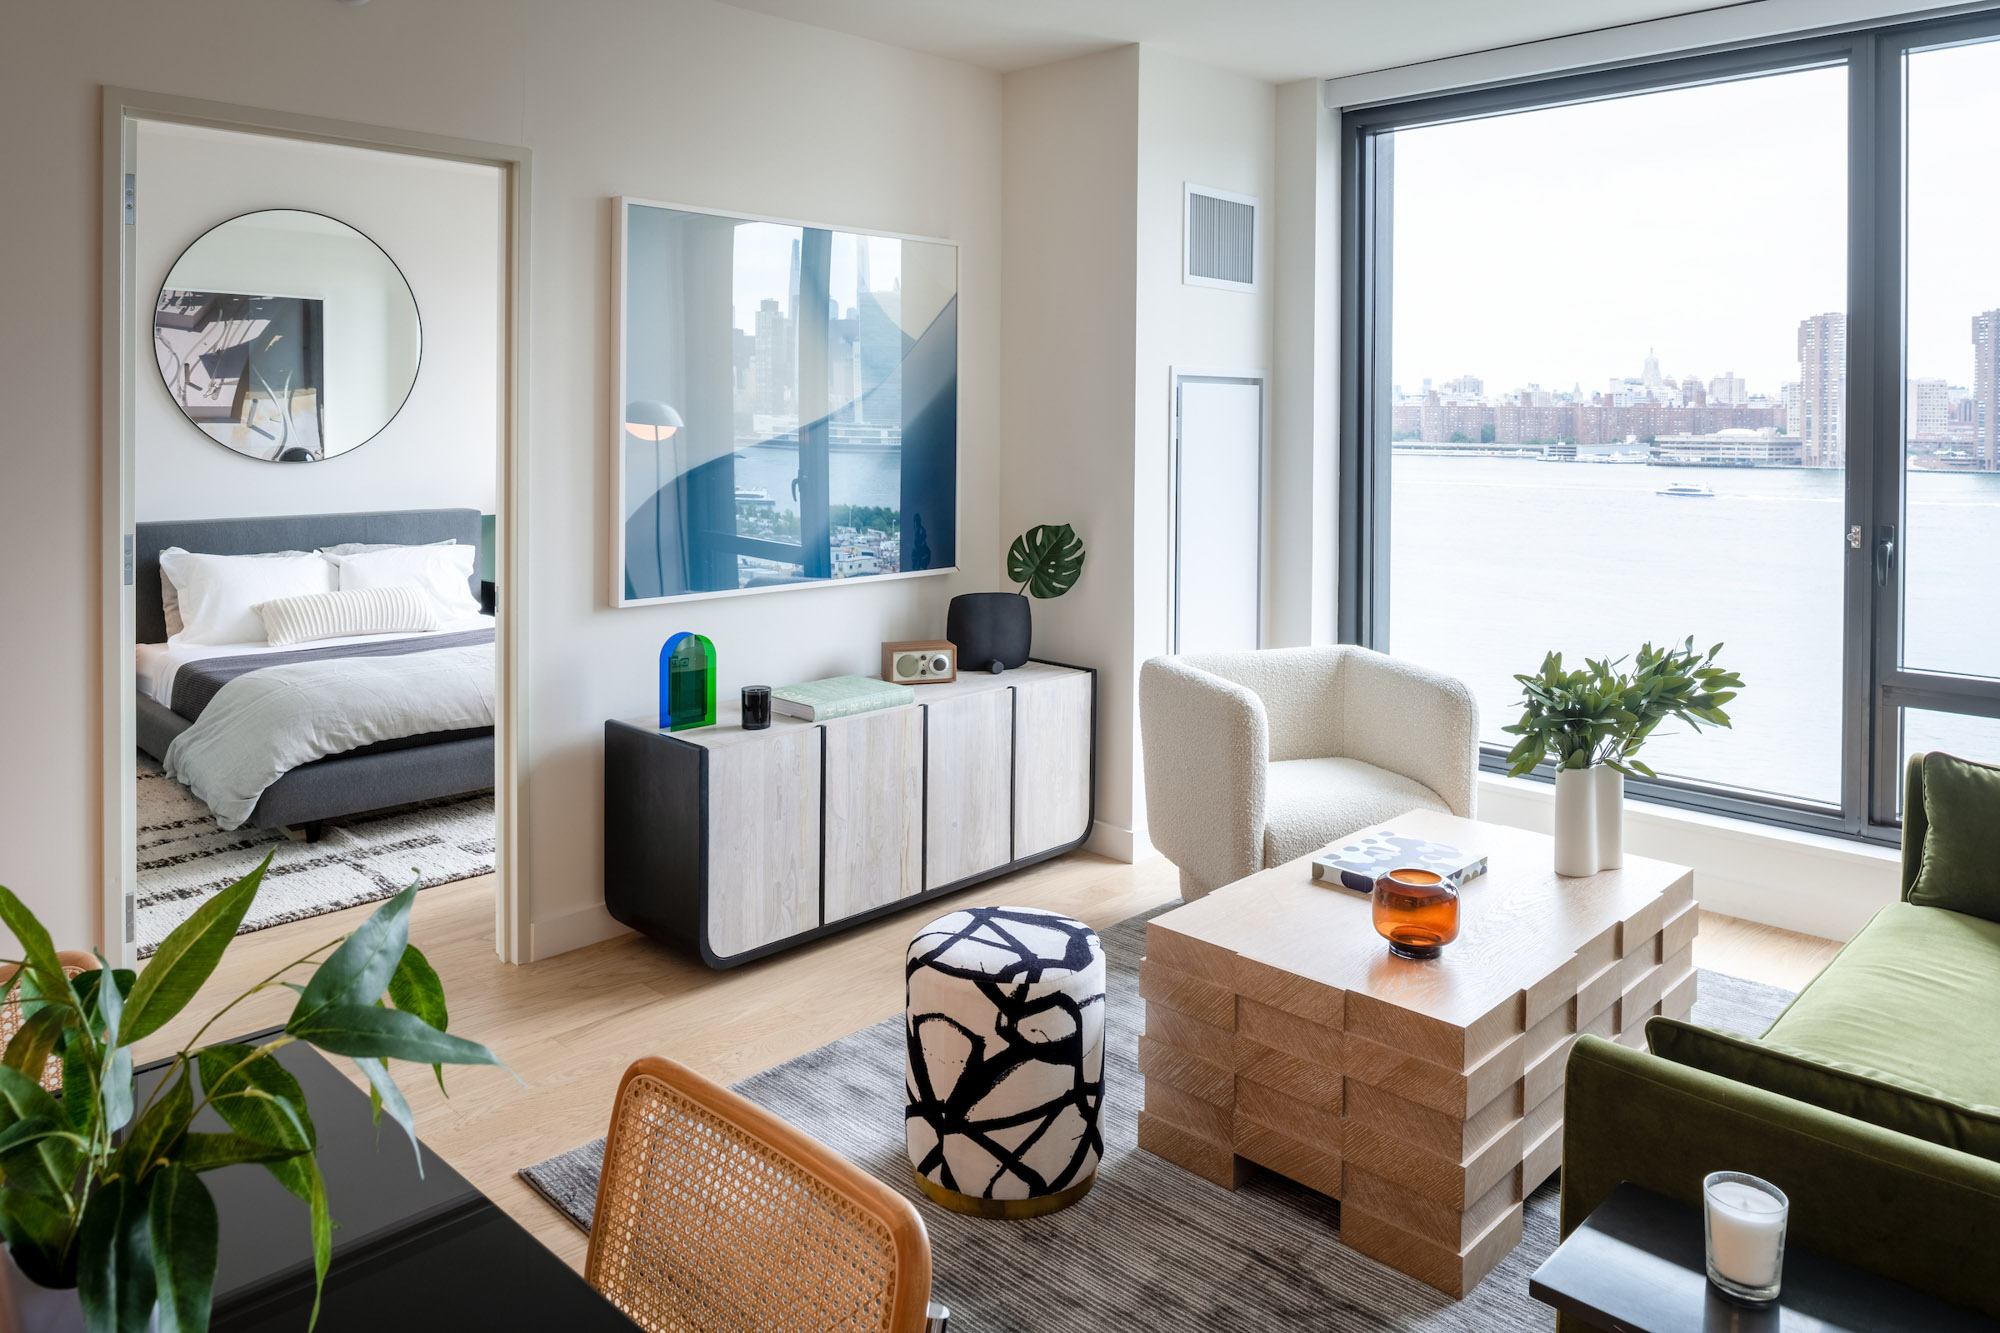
<point x="1873" y="1101"/>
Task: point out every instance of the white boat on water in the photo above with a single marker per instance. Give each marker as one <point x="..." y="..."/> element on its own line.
<point x="1687" y="490"/>
<point x="752" y="495"/>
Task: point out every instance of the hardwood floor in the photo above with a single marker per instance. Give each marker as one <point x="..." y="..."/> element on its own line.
<point x="568" y="1026"/>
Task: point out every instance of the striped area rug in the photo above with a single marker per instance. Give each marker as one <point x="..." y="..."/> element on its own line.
<point x="1151" y="1246"/>
<point x="184" y="858"/>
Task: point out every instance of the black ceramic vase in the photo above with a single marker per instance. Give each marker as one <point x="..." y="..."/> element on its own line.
<point x="991" y="630"/>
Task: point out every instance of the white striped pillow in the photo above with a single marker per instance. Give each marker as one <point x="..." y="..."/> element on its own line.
<point x="334" y="615"/>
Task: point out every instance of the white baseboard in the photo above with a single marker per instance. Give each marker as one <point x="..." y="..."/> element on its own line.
<point x="1798" y="881"/>
<point x="1120" y="844"/>
<point x="572" y="930"/>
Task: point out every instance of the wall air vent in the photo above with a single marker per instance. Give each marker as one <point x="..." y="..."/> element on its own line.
<point x="1219" y="246"/>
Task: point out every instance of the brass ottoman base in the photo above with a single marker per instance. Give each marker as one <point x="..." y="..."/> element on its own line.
<point x="1008" y="1210"/>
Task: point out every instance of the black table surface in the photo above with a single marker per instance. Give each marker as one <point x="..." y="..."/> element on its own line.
<point x="410" y="1251"/>
<point x="1638" y="1265"/>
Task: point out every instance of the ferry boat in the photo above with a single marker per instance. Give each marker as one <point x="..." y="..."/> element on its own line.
<point x="1688" y="490"/>
<point x="752" y="495"/>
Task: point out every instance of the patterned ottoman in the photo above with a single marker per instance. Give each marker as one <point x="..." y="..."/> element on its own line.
<point x="1004" y="1075"/>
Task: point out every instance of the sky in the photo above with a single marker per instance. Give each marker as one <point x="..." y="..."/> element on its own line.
<point x="1557" y="246"/>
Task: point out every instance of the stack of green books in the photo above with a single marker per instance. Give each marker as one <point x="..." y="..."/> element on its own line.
<point x="838" y="696"/>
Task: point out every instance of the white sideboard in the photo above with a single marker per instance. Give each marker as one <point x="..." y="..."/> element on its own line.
<point x="735" y="844"/>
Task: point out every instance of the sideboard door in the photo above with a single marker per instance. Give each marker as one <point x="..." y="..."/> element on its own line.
<point x="1052" y="723"/>
<point x="968" y="825"/>
<point x="763" y="839"/>
<point x="874" y="810"/>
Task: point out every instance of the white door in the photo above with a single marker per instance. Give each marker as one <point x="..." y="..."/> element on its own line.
<point x="1218" y="513"/>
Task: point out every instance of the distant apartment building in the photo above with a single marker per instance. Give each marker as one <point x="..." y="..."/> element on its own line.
<point x="1728" y="390"/>
<point x="1470" y="386"/>
<point x="1729" y="448"/>
<point x="1823" y="388"/>
<point x="1927" y="414"/>
<point x="1986" y="387"/>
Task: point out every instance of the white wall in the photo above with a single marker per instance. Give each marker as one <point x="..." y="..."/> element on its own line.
<point x="1071" y="173"/>
<point x="441" y="222"/>
<point x="672" y="99"/>
<point x="1098" y="150"/>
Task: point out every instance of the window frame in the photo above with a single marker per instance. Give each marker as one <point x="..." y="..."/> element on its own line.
<point x="1875" y="685"/>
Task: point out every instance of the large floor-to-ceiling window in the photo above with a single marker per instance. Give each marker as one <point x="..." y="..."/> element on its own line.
<point x="1702" y="347"/>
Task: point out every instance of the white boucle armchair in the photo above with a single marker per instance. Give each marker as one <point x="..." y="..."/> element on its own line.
<point x="1254" y="759"/>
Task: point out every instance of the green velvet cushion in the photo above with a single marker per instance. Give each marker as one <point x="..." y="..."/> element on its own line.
<point x="1894" y="1031"/>
<point x="1869" y="1095"/>
<point x="1960" y="870"/>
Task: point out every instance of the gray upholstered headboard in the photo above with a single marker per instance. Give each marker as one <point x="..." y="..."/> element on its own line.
<point x="299" y="532"/>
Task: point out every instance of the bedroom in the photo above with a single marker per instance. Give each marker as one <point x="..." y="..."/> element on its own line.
<point x="315" y="489"/>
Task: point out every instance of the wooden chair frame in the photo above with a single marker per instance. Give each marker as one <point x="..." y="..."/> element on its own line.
<point x="75" y="963"/>
<point x="751" y="1125"/>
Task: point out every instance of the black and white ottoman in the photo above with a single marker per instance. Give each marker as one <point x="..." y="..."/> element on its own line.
<point x="1004" y="1075"/>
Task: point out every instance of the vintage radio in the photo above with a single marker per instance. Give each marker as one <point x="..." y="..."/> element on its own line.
<point x="919" y="662"/>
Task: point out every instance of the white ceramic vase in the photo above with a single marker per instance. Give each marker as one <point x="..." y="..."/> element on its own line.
<point x="1576" y="821"/>
<point x="26" y="1307"/>
<point x="1610" y="797"/>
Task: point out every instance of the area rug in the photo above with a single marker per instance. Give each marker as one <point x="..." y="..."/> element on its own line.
<point x="1151" y="1246"/>
<point x="184" y="858"/>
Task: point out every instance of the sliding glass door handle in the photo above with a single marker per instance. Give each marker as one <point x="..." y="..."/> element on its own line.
<point x="1885" y="555"/>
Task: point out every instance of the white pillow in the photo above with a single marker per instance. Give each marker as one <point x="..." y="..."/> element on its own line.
<point x="441" y="571"/>
<point x="335" y="615"/>
<point x="219" y="593"/>
<point x="170" y="596"/>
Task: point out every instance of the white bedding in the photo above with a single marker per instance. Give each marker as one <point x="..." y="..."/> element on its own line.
<point x="159" y="663"/>
<point x="265" y="723"/>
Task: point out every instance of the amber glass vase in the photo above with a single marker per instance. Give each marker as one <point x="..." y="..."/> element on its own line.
<point x="1416" y="911"/>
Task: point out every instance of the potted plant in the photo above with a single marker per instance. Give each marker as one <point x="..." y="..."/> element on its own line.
<point x="107" y="1222"/>
<point x="992" y="631"/>
<point x="1591" y="723"/>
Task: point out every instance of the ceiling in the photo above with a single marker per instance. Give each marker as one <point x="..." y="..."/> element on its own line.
<point x="1272" y="39"/>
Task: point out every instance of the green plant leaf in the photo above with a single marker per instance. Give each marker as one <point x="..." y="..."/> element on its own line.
<point x="114" y="1261"/>
<point x="40" y="1165"/>
<point x="301" y="1176"/>
<point x="37" y="1232"/>
<point x="35" y="1042"/>
<point x="364" y="1030"/>
<point x="187" y="957"/>
<point x="1046" y="559"/>
<point x="114" y="1093"/>
<point x="181" y="1217"/>
<point x="164" y="1121"/>
<point x="258" y="1097"/>
<point x="416" y="989"/>
<point x="388" y="1097"/>
<point x="36" y="948"/>
<point x="358" y="971"/>
<point x="206" y="1152"/>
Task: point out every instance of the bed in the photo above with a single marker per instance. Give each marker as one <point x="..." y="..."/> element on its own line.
<point x="389" y="772"/>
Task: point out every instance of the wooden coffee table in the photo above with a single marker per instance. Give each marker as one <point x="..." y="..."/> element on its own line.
<point x="1425" y="1096"/>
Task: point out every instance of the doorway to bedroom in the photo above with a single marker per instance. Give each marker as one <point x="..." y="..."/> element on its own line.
<point x="316" y="407"/>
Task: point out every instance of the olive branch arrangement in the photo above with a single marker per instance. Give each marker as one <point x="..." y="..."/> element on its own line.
<point x="1601" y="715"/>
<point x="104" y="1195"/>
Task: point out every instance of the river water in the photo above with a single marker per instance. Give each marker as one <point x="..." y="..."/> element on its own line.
<point x="1496" y="561"/>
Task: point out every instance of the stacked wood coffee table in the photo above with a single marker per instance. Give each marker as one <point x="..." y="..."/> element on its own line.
<point x="1425" y="1096"/>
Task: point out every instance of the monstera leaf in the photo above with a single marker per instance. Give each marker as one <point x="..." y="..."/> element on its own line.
<point x="1046" y="559"/>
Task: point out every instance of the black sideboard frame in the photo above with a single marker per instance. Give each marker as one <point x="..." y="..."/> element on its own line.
<point x="656" y="803"/>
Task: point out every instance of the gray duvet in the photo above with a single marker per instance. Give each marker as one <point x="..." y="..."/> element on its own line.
<point x="268" y="719"/>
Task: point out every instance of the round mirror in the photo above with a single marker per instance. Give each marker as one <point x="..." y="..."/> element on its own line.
<point x="287" y="336"/>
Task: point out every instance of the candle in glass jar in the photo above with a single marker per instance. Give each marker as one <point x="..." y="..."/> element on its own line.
<point x="1746" y="1234"/>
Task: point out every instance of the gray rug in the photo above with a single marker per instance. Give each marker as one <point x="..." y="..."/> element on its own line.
<point x="1150" y="1247"/>
<point x="184" y="859"/>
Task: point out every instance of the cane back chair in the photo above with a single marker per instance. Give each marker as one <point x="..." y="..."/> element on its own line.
<point x="74" y="963"/>
<point x="715" y="1216"/>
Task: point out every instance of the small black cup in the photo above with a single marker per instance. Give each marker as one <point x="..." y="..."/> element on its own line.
<point x="756" y="707"/>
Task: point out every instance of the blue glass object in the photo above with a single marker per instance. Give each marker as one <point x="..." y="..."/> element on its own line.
<point x="687" y="683"/>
